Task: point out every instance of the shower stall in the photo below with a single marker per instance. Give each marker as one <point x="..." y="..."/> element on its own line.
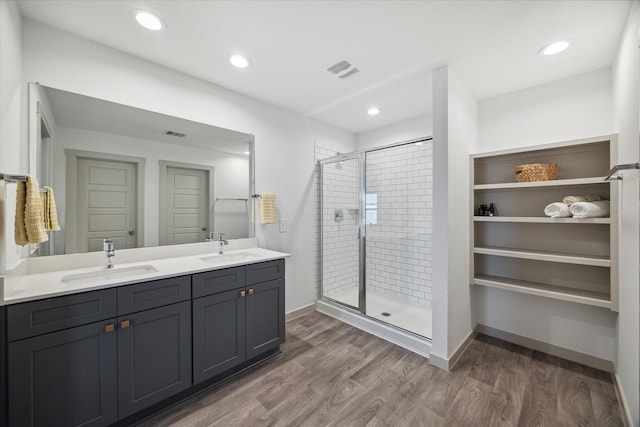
<point x="375" y="222"/>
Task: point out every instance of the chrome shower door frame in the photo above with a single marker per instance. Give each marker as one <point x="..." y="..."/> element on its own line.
<point x="360" y="157"/>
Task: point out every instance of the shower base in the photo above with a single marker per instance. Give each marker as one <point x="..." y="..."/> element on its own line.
<point x="410" y="317"/>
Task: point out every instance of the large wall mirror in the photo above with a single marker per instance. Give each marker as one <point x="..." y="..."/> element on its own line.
<point x="139" y="177"/>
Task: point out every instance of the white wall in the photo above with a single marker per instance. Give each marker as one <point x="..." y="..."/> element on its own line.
<point x="231" y="176"/>
<point x="626" y="108"/>
<point x="13" y="155"/>
<point x="284" y="140"/>
<point x="418" y="127"/>
<point x="455" y="136"/>
<point x="572" y="108"/>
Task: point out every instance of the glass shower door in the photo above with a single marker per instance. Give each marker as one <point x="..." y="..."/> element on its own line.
<point x="340" y="230"/>
<point x="398" y="190"/>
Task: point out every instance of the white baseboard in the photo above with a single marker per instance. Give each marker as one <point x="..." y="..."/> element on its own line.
<point x="422" y="346"/>
<point x="300" y="312"/>
<point x="447" y="364"/>
<point x="623" y="400"/>
<point x="554" y="350"/>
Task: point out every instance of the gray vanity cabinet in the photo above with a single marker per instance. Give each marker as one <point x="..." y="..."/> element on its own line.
<point x="218" y="334"/>
<point x="98" y="373"/>
<point x="99" y="358"/>
<point x="238" y="317"/>
<point x="154" y="356"/>
<point x="65" y="375"/>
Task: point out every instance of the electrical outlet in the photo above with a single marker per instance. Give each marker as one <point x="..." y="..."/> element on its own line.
<point x="283" y="225"/>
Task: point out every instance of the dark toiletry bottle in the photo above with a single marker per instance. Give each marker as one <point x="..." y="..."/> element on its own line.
<point x="492" y="210"/>
<point x="483" y="210"/>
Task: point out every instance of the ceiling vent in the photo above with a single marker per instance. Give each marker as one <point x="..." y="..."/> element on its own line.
<point x="343" y="69"/>
<point x="174" y="133"/>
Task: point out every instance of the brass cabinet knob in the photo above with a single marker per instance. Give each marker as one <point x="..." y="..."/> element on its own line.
<point x="124" y="324"/>
<point x="242" y="294"/>
<point x="250" y="291"/>
<point x="110" y="328"/>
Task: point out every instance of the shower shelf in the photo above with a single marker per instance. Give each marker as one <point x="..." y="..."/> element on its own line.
<point x="500" y="253"/>
<point x="542" y="219"/>
<point x="562" y="257"/>
<point x="597" y="299"/>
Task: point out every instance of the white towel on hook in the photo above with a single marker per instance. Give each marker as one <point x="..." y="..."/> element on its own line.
<point x="595" y="209"/>
<point x="557" y="210"/>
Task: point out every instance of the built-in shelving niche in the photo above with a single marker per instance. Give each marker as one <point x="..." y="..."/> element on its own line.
<point x="522" y="250"/>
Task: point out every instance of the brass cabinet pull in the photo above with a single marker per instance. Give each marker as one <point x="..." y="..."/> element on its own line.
<point x="110" y="328"/>
<point x="250" y="291"/>
<point x="243" y="294"/>
<point x="124" y="324"/>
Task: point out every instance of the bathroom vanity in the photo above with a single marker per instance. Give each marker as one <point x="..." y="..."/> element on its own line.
<point x="118" y="351"/>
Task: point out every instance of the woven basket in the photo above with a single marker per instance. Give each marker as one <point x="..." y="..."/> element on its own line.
<point x="536" y="172"/>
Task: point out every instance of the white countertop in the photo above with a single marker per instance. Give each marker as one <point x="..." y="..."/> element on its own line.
<point x="23" y="286"/>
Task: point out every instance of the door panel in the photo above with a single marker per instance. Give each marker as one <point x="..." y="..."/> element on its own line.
<point x="187" y="205"/>
<point x="154" y="356"/>
<point x="218" y="334"/>
<point x="265" y="317"/>
<point x="65" y="378"/>
<point x="107" y="198"/>
<point x="340" y="236"/>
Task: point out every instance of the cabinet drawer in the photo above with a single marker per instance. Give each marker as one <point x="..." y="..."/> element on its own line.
<point x="40" y="317"/>
<point x="144" y="296"/>
<point x="265" y="271"/>
<point x="216" y="281"/>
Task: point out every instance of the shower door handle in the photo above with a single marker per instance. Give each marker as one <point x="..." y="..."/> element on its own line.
<point x="361" y="233"/>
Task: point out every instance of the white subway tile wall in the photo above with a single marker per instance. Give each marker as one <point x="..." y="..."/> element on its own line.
<point x="325" y="150"/>
<point x="398" y="244"/>
<point x="399" y="229"/>
<point x="340" y="204"/>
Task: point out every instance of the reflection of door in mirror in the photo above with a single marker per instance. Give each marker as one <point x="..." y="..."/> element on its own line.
<point x="186" y="192"/>
<point x="44" y="168"/>
<point x="106" y="204"/>
<point x="106" y="200"/>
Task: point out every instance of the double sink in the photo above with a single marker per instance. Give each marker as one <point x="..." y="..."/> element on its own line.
<point x="231" y="258"/>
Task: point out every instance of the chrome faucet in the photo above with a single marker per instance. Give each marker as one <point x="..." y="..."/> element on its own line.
<point x="107" y="245"/>
<point x="221" y="242"/>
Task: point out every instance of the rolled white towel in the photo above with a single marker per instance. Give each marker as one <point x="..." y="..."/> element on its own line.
<point x="595" y="209"/>
<point x="557" y="210"/>
<point x="569" y="200"/>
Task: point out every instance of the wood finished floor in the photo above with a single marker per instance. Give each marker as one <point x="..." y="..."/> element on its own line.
<point x="331" y="374"/>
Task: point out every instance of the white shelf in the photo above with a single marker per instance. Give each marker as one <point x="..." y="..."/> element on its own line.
<point x="598" y="261"/>
<point x="596" y="299"/>
<point x="541" y="184"/>
<point x="542" y="219"/>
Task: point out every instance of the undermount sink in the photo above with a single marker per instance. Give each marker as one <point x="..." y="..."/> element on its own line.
<point x="230" y="258"/>
<point x="107" y="274"/>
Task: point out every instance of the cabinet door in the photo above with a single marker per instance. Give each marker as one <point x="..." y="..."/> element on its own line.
<point x="154" y="356"/>
<point x="265" y="317"/>
<point x="218" y="334"/>
<point x="65" y="378"/>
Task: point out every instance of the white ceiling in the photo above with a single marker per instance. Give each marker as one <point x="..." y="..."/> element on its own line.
<point x="83" y="112"/>
<point x="491" y="45"/>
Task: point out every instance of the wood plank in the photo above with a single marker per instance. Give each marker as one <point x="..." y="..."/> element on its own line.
<point x="353" y="378"/>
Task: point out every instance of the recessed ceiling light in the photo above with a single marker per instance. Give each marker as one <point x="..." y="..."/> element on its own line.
<point x="373" y="111"/>
<point x="149" y="20"/>
<point x="554" y="48"/>
<point x="239" y="61"/>
<point x="247" y="152"/>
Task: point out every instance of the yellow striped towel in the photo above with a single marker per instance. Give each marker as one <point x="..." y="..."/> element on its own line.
<point x="50" y="210"/>
<point x="267" y="208"/>
<point x="29" y="222"/>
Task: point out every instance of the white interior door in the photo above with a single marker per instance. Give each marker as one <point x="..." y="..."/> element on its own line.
<point x="187" y="205"/>
<point x="106" y="204"/>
